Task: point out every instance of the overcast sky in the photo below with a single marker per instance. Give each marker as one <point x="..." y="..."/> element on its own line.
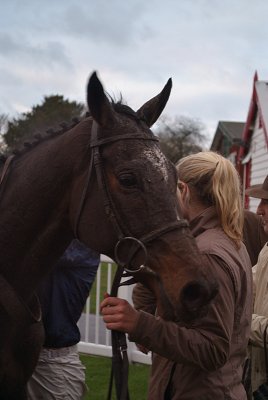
<point x="210" y="48"/>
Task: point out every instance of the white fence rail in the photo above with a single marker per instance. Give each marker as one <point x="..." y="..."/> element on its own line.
<point x="95" y="338"/>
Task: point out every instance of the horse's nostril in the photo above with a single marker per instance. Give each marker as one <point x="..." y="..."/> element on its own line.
<point x="193" y="294"/>
<point x="195" y="297"/>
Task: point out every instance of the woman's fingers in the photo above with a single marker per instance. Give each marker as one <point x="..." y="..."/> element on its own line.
<point x="118" y="314"/>
<point x="114" y="303"/>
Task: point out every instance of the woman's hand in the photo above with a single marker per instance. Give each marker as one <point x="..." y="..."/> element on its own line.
<point x="118" y="314"/>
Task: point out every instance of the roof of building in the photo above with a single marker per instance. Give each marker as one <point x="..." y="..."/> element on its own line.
<point x="231" y="129"/>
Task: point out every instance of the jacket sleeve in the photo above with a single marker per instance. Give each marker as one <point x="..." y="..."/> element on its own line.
<point x="258" y="322"/>
<point x="144" y="299"/>
<point x="258" y="325"/>
<point x="205" y="344"/>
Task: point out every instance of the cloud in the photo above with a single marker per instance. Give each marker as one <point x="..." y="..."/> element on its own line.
<point x="48" y="53"/>
<point x="115" y="23"/>
<point x="210" y="49"/>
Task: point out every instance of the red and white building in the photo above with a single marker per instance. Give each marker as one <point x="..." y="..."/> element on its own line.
<point x="227" y="139"/>
<point x="252" y="159"/>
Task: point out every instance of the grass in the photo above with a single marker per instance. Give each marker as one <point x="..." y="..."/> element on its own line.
<point x="98" y="371"/>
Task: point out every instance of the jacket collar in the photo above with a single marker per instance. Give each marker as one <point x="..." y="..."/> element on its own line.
<point x="207" y="219"/>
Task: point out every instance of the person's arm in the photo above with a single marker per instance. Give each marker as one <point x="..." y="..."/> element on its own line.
<point x="144" y="299"/>
<point x="258" y="324"/>
<point x="207" y="344"/>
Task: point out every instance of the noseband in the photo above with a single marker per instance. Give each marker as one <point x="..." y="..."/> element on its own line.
<point x="119" y="371"/>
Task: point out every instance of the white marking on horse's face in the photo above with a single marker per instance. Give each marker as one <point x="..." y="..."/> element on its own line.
<point x="158" y="160"/>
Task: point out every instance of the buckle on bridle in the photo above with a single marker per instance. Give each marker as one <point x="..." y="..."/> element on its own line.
<point x="124" y="260"/>
<point x="134" y="271"/>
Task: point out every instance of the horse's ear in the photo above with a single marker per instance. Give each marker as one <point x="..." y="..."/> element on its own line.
<point x="151" y="110"/>
<point x="98" y="103"/>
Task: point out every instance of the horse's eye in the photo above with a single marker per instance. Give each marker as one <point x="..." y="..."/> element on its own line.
<point x="127" y="180"/>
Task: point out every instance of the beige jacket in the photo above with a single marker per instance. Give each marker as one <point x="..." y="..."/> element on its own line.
<point x="259" y="318"/>
<point x="203" y="361"/>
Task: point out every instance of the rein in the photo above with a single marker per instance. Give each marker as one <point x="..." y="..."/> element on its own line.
<point x="119" y="372"/>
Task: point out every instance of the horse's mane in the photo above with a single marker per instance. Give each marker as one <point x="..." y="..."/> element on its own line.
<point x="38" y="138"/>
<point x="118" y="105"/>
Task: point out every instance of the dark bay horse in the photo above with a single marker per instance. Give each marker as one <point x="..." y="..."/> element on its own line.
<point x="105" y="181"/>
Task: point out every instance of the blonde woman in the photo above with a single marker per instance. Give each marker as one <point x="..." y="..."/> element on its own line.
<point x="204" y="359"/>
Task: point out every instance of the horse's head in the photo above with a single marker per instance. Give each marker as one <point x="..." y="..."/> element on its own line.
<point x="129" y="209"/>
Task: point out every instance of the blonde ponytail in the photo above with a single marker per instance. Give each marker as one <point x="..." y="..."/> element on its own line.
<point x="217" y="183"/>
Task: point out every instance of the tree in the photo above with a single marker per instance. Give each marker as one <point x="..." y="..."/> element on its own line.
<point x="180" y="136"/>
<point x="53" y="111"/>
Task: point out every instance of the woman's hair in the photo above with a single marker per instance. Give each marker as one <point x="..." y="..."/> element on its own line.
<point x="216" y="182"/>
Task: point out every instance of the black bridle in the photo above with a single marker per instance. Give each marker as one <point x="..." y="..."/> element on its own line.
<point x="122" y="231"/>
<point x="119" y="345"/>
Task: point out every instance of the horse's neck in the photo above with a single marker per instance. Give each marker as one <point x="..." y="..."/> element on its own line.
<point x="34" y="225"/>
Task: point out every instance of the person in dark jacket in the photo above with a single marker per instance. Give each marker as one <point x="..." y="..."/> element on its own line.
<point x="204" y="359"/>
<point x="59" y="373"/>
<point x="254" y="235"/>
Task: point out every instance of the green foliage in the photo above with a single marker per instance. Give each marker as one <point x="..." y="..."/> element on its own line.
<point x="98" y="371"/>
<point x="180" y="137"/>
<point x="53" y="111"/>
